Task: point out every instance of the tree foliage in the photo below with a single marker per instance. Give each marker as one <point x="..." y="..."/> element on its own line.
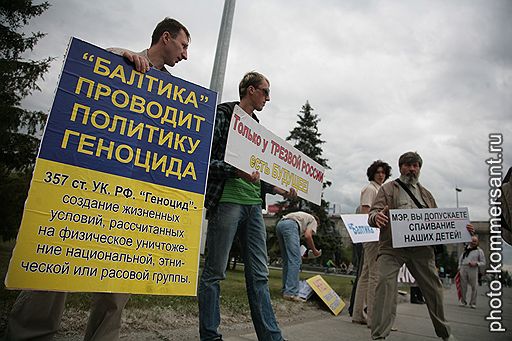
<point x="306" y="138"/>
<point x="18" y="126"/>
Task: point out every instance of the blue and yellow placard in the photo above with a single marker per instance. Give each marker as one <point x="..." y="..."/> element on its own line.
<point x="116" y="199"/>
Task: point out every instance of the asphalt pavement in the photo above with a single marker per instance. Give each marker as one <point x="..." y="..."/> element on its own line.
<point x="413" y="322"/>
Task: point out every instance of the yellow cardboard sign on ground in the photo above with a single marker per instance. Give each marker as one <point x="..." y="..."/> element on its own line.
<point x="327" y="294"/>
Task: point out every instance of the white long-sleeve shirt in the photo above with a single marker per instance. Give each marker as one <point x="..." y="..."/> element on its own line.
<point x="476" y="255"/>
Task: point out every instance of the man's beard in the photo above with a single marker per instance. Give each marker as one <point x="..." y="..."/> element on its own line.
<point x="410" y="178"/>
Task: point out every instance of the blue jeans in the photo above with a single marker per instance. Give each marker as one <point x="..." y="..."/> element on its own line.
<point x="289" y="241"/>
<point x="222" y="227"/>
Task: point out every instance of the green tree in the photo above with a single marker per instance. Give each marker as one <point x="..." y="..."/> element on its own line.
<point x="306" y="138"/>
<point x="18" y="126"/>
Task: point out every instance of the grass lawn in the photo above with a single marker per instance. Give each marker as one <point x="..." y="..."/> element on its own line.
<point x="233" y="301"/>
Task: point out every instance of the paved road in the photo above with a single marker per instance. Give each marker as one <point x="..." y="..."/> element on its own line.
<point x="412" y="321"/>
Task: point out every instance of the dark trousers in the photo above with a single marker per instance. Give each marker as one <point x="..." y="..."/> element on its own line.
<point x="417" y="296"/>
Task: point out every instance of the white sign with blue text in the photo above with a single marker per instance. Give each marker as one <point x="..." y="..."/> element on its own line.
<point x="358" y="228"/>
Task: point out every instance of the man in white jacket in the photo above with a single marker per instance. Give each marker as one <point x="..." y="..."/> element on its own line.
<point x="471" y="260"/>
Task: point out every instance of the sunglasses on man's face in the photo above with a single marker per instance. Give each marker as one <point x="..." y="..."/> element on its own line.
<point x="265" y="91"/>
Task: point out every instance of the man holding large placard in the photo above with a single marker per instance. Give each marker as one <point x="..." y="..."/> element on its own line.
<point x="419" y="260"/>
<point x="234" y="201"/>
<point x="37" y="314"/>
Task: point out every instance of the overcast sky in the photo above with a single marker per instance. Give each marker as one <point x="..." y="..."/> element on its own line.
<point x="384" y="77"/>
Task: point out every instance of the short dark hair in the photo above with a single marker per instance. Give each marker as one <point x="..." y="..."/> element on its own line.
<point x="168" y="25"/>
<point x="250" y="78"/>
<point x="370" y="172"/>
<point x="410" y="157"/>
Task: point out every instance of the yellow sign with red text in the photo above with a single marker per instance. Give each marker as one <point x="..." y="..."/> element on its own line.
<point x="327" y="294"/>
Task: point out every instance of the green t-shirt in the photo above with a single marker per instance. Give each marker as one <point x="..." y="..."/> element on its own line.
<point x="239" y="191"/>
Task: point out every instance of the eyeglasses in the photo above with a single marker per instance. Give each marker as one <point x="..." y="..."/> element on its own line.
<point x="266" y="91"/>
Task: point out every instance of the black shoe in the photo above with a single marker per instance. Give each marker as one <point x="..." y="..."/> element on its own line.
<point x="417" y="302"/>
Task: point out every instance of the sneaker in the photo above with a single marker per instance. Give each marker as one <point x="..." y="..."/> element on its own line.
<point x="473" y="306"/>
<point x="462" y="304"/>
<point x="293" y="298"/>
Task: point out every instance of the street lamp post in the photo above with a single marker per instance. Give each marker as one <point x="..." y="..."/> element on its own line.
<point x="457" y="190"/>
<point x="221" y="55"/>
<point x="460" y="247"/>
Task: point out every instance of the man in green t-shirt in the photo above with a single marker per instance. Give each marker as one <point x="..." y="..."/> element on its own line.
<point x="234" y="200"/>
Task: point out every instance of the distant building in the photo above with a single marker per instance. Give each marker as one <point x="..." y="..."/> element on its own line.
<point x="334" y="208"/>
<point x="274" y="209"/>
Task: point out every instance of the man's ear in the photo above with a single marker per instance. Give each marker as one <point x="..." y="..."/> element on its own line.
<point x="166" y="37"/>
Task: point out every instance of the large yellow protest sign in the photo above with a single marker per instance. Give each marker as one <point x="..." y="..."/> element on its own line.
<point x="116" y="199"/>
